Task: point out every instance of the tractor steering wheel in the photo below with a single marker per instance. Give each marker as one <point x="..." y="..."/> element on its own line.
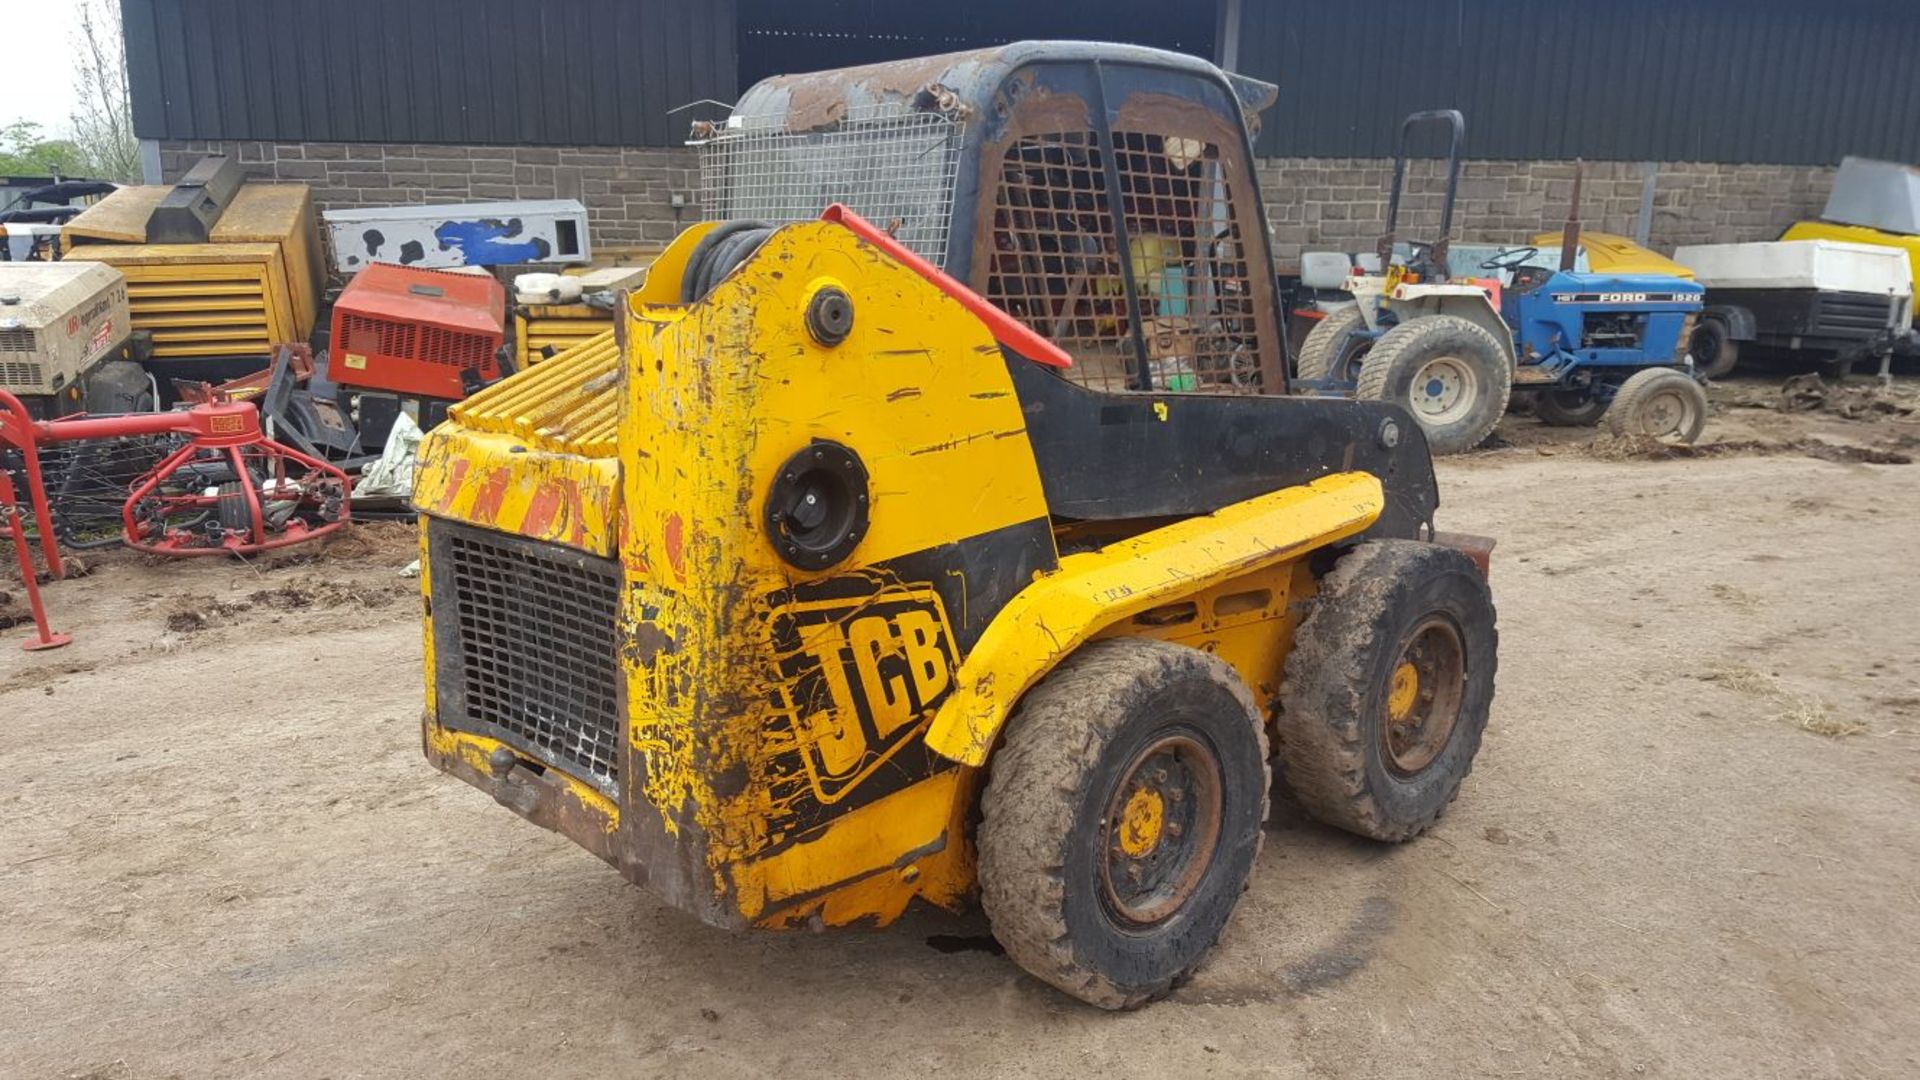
<point x="1510" y="259"/>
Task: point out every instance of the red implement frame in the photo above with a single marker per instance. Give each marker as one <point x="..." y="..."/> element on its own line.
<point x="44" y="637"/>
<point x="229" y="429"/>
<point x="1007" y="330"/>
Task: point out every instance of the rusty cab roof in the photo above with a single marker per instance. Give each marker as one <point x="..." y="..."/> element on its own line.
<point x="968" y="80"/>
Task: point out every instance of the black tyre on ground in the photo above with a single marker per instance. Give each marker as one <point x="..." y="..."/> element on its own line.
<point x="1318" y="352"/>
<point x="1449" y="372"/>
<point x="1122" y="818"/>
<point x="1387" y="688"/>
<point x="1713" y="349"/>
<point x="1569" y="408"/>
<point x="1662" y="403"/>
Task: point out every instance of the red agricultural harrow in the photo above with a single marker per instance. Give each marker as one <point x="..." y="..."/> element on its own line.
<point x="225" y="490"/>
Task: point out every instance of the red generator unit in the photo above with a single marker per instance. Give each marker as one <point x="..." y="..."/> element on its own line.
<point x="418" y="333"/>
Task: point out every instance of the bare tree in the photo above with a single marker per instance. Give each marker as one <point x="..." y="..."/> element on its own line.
<point x="103" y="119"/>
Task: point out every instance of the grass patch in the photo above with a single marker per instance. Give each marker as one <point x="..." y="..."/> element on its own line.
<point x="1810" y="714"/>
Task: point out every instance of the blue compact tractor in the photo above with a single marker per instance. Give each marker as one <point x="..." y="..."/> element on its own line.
<point x="1455" y="350"/>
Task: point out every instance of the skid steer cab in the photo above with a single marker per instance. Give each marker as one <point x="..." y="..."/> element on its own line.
<point x="825" y="582"/>
<point x="1455" y="348"/>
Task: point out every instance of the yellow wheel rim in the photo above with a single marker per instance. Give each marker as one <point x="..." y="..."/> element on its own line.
<point x="1404" y="691"/>
<point x="1142" y="822"/>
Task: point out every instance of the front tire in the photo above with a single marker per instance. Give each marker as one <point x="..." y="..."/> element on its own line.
<point x="1660" y="403"/>
<point x="1449" y="372"/>
<point x="1388" y="687"/>
<point x="1122" y="818"/>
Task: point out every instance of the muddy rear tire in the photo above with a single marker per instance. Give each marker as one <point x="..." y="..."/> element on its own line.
<point x="1317" y="352"/>
<point x="1449" y="372"/>
<point x="1388" y="687"/>
<point x="1122" y="818"/>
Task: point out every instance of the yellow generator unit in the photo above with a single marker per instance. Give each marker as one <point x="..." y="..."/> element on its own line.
<point x="254" y="280"/>
<point x="578" y="307"/>
<point x="543" y="330"/>
<point x="823" y="586"/>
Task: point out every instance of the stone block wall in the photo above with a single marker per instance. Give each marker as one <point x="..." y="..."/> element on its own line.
<point x="628" y="192"/>
<point x="1312" y="203"/>
<point x="1341" y="203"/>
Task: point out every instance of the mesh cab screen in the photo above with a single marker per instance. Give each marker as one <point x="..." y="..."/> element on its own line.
<point x="1057" y="263"/>
<point x="524" y="637"/>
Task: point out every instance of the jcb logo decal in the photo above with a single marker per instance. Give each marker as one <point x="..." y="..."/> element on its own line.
<point x="859" y="679"/>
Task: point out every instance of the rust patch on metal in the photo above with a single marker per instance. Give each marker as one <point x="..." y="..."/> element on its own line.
<point x="819" y="99"/>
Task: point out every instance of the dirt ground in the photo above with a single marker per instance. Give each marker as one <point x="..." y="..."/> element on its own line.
<point x="1691" y="847"/>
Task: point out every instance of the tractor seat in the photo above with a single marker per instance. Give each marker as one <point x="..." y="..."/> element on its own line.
<point x="1526" y="279"/>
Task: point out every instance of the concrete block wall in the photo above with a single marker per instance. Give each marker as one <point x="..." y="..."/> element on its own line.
<point x="1341" y="203"/>
<point x="1312" y="203"/>
<point x="627" y="191"/>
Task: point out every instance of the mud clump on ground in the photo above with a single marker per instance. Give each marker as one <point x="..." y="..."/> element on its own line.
<point x="1890" y="451"/>
<point x="1854" y="400"/>
<point x="194" y="614"/>
<point x="302" y="595"/>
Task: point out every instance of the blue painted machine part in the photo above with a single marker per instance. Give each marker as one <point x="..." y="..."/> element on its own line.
<point x="1550" y="321"/>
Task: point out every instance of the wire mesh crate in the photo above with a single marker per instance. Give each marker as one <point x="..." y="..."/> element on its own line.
<point x="895" y="167"/>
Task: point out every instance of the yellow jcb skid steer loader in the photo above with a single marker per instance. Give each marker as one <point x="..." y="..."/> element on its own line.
<point x="830" y="580"/>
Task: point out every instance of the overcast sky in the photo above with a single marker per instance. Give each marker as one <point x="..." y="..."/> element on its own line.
<point x="36" y="76"/>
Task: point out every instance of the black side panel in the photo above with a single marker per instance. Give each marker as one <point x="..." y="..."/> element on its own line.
<point x="1106" y="457"/>
<point x="1810" y="313"/>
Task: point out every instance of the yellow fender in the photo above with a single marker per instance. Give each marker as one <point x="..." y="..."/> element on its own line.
<point x="1091" y="591"/>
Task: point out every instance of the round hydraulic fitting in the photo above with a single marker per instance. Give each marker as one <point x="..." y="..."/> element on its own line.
<point x="1389" y="434"/>
<point x="817" y="510"/>
<point x="830" y="315"/>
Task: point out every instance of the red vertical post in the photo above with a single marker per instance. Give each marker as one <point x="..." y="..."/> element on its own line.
<point x="44" y="637"/>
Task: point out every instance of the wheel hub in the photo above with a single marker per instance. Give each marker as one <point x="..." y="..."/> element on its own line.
<point x="1143" y="822"/>
<point x="1424" y="695"/>
<point x="1444" y="390"/>
<point x="1665" y="415"/>
<point x="1404" y="692"/>
<point x="1162" y="824"/>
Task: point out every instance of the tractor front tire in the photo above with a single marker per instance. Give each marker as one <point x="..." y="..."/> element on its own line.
<point x="1569" y="408"/>
<point x="1449" y="372"/>
<point x="1318" y="351"/>
<point x="1662" y="403"/>
<point x="1388" y="687"/>
<point x="1121" y="819"/>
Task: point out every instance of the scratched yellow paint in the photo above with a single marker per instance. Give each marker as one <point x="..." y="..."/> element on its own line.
<point x="707" y="401"/>
<point x="719" y="396"/>
<point x="535" y="454"/>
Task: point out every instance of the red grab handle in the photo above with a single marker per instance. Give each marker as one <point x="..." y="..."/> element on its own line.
<point x="1007" y="330"/>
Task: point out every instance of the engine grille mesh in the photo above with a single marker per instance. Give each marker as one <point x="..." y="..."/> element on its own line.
<point x="532" y="659"/>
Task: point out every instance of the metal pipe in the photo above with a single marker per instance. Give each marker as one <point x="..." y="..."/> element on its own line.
<point x="44" y="637"/>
